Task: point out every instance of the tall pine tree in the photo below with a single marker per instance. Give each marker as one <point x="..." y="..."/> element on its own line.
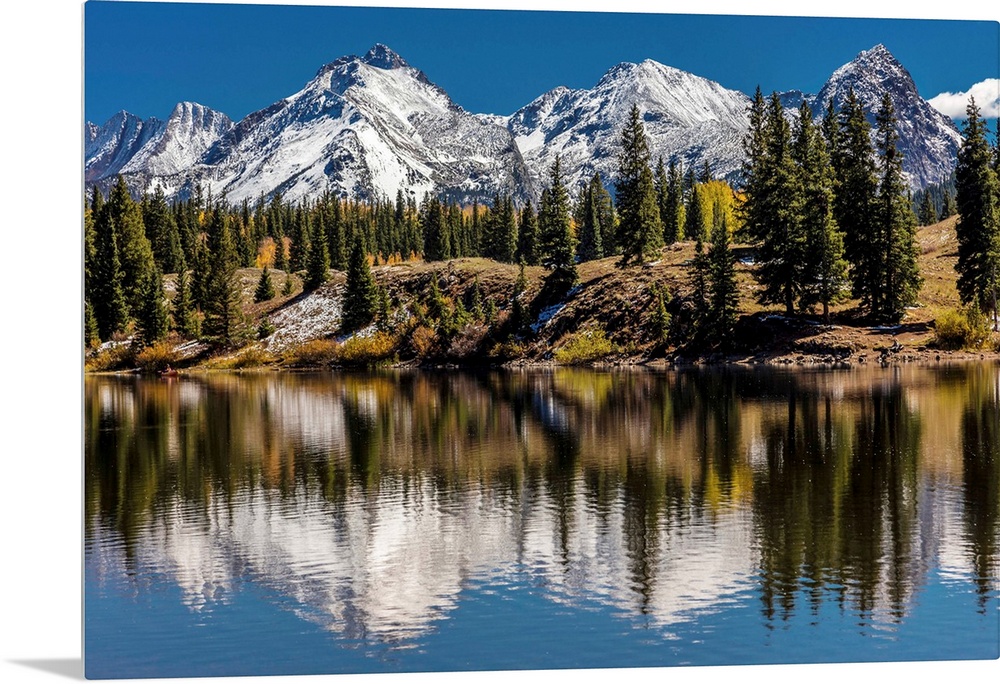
<point x="825" y="268"/>
<point x="640" y="230"/>
<point x="899" y="278"/>
<point x="360" y="295"/>
<point x="978" y="226"/>
<point x="557" y="243"/>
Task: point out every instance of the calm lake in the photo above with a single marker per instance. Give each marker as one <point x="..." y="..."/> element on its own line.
<point x="284" y="523"/>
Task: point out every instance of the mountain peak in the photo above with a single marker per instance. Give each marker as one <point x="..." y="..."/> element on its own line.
<point x="383" y="57"/>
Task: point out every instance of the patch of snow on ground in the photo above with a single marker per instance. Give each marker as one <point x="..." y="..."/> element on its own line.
<point x="550" y="312"/>
<point x="311" y="317"/>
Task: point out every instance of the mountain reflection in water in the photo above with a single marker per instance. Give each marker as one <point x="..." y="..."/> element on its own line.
<point x="372" y="505"/>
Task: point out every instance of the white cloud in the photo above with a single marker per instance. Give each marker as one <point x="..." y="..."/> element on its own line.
<point x="987" y="94"/>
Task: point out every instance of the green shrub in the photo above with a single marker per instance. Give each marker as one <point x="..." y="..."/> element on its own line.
<point x="584" y="347"/>
<point x="964" y="329"/>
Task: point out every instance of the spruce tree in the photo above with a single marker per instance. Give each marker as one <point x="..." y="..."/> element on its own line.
<point x="661" y="317"/>
<point x="333" y="226"/>
<point x="673" y="208"/>
<point x="772" y="205"/>
<point x="927" y="213"/>
<point x="223" y="310"/>
<point x="825" y="268"/>
<point x="185" y="318"/>
<point x="520" y="318"/>
<point x="557" y="242"/>
<point x="265" y="288"/>
<point x="588" y="220"/>
<point x="895" y="225"/>
<point x="91" y="337"/>
<point x="640" y="230"/>
<point x="162" y="232"/>
<point x="700" y="279"/>
<point x="152" y="318"/>
<point x="317" y="260"/>
<point x="106" y="288"/>
<point x="978" y="225"/>
<point x="723" y="296"/>
<point x="134" y="250"/>
<point x="437" y="244"/>
<point x="854" y="203"/>
<point x="527" y="236"/>
<point x="360" y="294"/>
<point x="948" y="208"/>
<point x="694" y="217"/>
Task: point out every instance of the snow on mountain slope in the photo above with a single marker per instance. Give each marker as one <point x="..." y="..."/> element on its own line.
<point x="110" y="147"/>
<point x="151" y="151"/>
<point x="928" y="139"/>
<point x="191" y="129"/>
<point x="365" y="127"/>
<point x="687" y="118"/>
<point x="368" y="126"/>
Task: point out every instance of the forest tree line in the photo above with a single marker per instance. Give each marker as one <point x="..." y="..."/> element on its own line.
<point x="827" y="213"/>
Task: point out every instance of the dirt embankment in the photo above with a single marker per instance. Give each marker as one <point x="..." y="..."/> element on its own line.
<point x="608" y="317"/>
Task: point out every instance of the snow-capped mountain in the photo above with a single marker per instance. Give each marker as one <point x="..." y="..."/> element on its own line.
<point x="110" y="147"/>
<point x="365" y="127"/>
<point x="687" y="118"/>
<point x="368" y="126"/>
<point x="151" y="151"/>
<point x="928" y="139"/>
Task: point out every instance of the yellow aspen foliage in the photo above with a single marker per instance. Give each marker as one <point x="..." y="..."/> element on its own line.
<point x="721" y="191"/>
<point x="265" y="253"/>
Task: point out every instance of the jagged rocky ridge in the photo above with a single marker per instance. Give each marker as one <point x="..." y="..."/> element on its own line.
<point x="367" y="126"/>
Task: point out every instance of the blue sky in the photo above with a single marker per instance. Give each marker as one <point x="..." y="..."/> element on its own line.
<point x="146" y="57"/>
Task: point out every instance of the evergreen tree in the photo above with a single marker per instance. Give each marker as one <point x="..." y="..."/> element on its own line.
<point x="360" y="294"/>
<point x="927" y="213"/>
<point x="317" y="260"/>
<point x="299" y="247"/>
<point x="588" y="220"/>
<point x="694" y="217"/>
<point x="501" y="235"/>
<point x="640" y="230"/>
<point x="161" y="230"/>
<point x="854" y="202"/>
<point x="437" y="245"/>
<point x="557" y="242"/>
<point x="527" y="236"/>
<point x="772" y="205"/>
<point x="106" y="288"/>
<point x="825" y="268"/>
<point x="661" y="317"/>
<point x="134" y="251"/>
<point x="978" y="226"/>
<point x="223" y="311"/>
<point x="520" y="318"/>
<point x="289" y="286"/>
<point x="672" y="211"/>
<point x="895" y="226"/>
<point x="91" y="337"/>
<point x="948" y="208"/>
<point x="333" y="226"/>
<point x="185" y="319"/>
<point x="152" y="318"/>
<point x="265" y="289"/>
<point x="723" y="296"/>
<point x="700" y="275"/>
